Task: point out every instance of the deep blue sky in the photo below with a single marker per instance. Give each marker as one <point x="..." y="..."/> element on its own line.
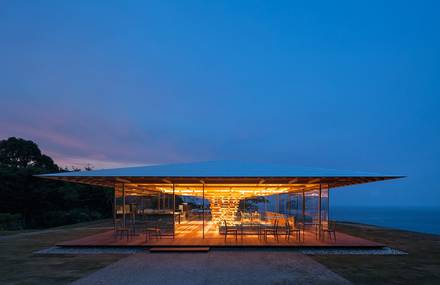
<point x="350" y="85"/>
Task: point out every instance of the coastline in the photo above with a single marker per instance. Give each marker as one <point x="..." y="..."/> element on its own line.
<point x="379" y="227"/>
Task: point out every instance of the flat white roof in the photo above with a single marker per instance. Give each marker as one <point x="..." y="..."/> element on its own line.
<point x="218" y="169"/>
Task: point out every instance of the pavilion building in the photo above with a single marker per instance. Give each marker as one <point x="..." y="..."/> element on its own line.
<point x="201" y="199"/>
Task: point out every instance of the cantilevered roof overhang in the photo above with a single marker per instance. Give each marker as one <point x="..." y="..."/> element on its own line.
<point x="221" y="173"/>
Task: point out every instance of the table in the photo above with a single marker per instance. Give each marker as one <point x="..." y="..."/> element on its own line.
<point x="251" y="228"/>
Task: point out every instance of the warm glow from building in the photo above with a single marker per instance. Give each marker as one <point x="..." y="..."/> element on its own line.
<point x="223" y="199"/>
<point x="237" y="191"/>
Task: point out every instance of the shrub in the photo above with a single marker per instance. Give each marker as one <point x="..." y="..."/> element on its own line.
<point x="10" y="221"/>
<point x="73" y="216"/>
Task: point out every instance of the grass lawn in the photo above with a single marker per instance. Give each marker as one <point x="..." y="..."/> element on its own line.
<point x="6" y="233"/>
<point x="19" y="265"/>
<point x="420" y="266"/>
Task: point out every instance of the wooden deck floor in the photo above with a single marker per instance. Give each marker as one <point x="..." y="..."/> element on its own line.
<point x="190" y="234"/>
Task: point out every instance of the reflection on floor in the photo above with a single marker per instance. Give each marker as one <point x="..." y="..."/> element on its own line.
<point x="190" y="234"/>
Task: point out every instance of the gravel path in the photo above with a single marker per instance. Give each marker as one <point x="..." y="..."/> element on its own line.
<point x="214" y="267"/>
<point x="307" y="251"/>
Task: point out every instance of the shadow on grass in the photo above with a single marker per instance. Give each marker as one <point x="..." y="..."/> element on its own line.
<point x="19" y="264"/>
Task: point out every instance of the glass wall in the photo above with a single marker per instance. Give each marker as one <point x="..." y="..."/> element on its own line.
<point x="205" y="212"/>
<point x="310" y="207"/>
<point x="142" y="208"/>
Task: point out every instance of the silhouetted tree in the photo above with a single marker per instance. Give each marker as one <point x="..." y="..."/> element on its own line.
<point x="251" y="204"/>
<point x="40" y="202"/>
<point x="20" y="153"/>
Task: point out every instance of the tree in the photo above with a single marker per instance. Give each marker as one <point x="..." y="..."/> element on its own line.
<point x="22" y="154"/>
<point x="251" y="204"/>
<point x="42" y="202"/>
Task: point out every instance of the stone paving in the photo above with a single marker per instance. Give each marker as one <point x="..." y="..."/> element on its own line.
<point x="215" y="267"/>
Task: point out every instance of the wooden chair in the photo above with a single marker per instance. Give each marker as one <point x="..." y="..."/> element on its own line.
<point x="301" y="227"/>
<point x="121" y="230"/>
<point x="154" y="230"/>
<point x="330" y="229"/>
<point x="131" y="224"/>
<point x="230" y="229"/>
<point x="292" y="229"/>
<point x="272" y="230"/>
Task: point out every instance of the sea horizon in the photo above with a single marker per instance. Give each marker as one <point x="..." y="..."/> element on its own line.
<point x="410" y="218"/>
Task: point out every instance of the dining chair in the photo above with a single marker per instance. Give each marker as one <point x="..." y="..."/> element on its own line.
<point x="292" y="229"/>
<point x="153" y="230"/>
<point x="230" y="229"/>
<point x="272" y="230"/>
<point x="121" y="230"/>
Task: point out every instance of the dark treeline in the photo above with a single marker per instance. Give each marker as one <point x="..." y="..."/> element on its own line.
<point x="27" y="201"/>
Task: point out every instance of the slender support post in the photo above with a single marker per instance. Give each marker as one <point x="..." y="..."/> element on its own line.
<point x="328" y="203"/>
<point x="265" y="207"/>
<point x="285" y="199"/>
<point x="158" y="200"/>
<point x="304" y="206"/>
<point x="123" y="204"/>
<point x="203" y="211"/>
<point x="285" y="205"/>
<point x="280" y="203"/>
<point x="114" y="207"/>
<point x="174" y="212"/>
<point x="319" y="203"/>
<point x="295" y="204"/>
<point x="319" y="210"/>
<point x="163" y="201"/>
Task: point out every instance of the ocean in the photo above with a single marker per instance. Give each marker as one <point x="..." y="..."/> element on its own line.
<point x="425" y="220"/>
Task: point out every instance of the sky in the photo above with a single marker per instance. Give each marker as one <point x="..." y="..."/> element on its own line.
<point x="334" y="84"/>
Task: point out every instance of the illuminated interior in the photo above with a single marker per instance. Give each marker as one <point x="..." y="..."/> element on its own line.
<point x="212" y="205"/>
